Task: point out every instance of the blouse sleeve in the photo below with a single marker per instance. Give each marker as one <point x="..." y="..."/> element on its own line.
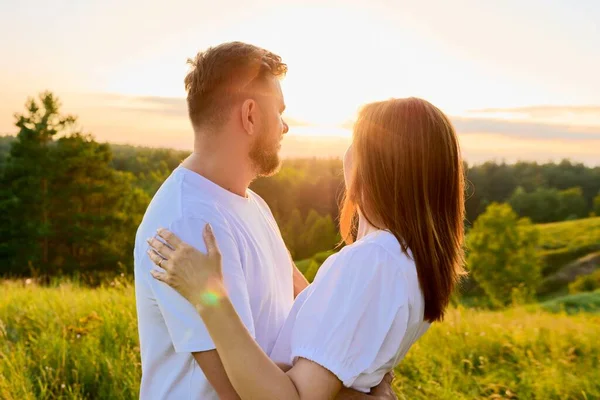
<point x="354" y="310"/>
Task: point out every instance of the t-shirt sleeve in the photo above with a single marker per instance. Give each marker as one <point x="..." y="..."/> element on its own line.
<point x="185" y="326"/>
<point x="353" y="312"/>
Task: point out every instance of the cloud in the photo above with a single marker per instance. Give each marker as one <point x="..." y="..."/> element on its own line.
<point x="176" y="107"/>
<point x="519" y="129"/>
<point x="166" y="106"/>
<point x="532" y="130"/>
<point x="543" y="111"/>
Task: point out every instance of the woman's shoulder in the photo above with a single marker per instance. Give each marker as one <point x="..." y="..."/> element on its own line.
<point x="375" y="255"/>
<point x="378" y="245"/>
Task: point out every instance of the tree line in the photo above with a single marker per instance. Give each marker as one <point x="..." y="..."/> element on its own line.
<point x="70" y="205"/>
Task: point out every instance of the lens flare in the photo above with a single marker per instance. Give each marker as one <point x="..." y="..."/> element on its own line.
<point x="210" y="298"/>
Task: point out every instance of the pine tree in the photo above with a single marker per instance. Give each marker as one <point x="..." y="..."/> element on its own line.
<point x="64" y="209"/>
<point x="28" y="172"/>
<point x="95" y="209"/>
<point x="292" y="233"/>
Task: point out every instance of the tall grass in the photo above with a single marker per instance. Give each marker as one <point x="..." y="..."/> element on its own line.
<point x="71" y="342"/>
<point x="514" y="354"/>
<point x="68" y="342"/>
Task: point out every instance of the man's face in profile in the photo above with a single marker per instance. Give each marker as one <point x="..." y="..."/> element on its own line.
<point x="264" y="151"/>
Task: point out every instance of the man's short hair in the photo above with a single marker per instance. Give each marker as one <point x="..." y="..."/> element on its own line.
<point x="219" y="74"/>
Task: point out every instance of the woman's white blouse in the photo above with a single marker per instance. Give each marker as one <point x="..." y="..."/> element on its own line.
<point x="360" y="315"/>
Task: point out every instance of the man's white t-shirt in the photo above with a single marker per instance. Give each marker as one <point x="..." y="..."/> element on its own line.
<point x="257" y="271"/>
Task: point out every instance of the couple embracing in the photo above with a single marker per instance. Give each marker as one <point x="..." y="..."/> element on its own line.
<point x="222" y="310"/>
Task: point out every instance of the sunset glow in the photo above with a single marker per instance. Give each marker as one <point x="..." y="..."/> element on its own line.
<point x="491" y="66"/>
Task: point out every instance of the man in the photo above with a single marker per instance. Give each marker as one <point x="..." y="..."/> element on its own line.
<point x="235" y="105"/>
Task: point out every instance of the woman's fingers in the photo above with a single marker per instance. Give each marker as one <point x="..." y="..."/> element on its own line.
<point x="212" y="248"/>
<point x="159" y="275"/>
<point x="157" y="259"/>
<point x="170" y="238"/>
<point x="160" y="247"/>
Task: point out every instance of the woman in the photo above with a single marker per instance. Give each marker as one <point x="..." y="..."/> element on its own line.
<point x="371" y="301"/>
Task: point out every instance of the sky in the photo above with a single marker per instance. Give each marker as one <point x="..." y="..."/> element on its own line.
<point x="520" y="79"/>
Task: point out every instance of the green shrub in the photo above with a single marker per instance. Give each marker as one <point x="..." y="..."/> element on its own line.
<point x="503" y="255"/>
<point x="586" y="283"/>
<point x="311" y="271"/>
<point x="310" y="266"/>
<point x="302" y="265"/>
<point x="574" y="303"/>
<point x="551" y="285"/>
<point x="321" y="257"/>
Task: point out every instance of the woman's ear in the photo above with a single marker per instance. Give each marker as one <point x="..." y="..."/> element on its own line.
<point x="249" y="116"/>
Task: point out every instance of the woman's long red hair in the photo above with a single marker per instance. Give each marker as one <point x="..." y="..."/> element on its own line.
<point x="407" y="176"/>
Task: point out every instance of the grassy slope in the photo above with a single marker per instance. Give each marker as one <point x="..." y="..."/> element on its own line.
<point x="86" y="340"/>
<point x="566" y="249"/>
<point x="564" y="242"/>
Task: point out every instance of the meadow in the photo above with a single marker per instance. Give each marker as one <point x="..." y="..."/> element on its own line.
<point x="70" y="342"/>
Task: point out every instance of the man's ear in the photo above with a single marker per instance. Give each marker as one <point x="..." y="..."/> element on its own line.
<point x="249" y="116"/>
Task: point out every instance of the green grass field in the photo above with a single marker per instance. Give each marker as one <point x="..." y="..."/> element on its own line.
<point x="70" y="342"/>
